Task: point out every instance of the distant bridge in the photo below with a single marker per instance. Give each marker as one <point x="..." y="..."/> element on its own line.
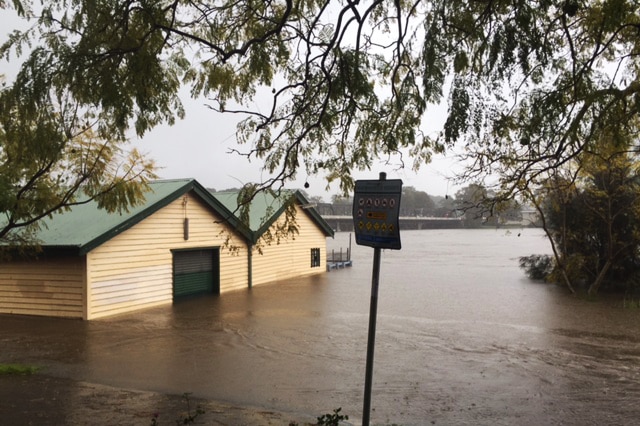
<point x="345" y="223"/>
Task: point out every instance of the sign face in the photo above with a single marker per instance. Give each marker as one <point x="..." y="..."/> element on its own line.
<point x="376" y="208"/>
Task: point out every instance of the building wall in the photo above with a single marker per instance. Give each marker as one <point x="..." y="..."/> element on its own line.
<point x="134" y="269"/>
<point x="292" y="257"/>
<point x="50" y="286"/>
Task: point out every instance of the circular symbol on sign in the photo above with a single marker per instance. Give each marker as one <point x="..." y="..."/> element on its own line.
<point x="361" y="201"/>
<point x="392" y="203"/>
<point x="384" y="202"/>
<point x="376" y="202"/>
<point x="369" y="202"/>
<point x="360" y="212"/>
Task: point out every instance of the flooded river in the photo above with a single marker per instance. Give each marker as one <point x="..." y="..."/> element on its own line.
<point x="463" y="338"/>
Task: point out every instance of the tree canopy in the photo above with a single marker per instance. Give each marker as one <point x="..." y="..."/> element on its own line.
<point x="527" y="82"/>
<point x="416" y="203"/>
<point x="51" y="159"/>
<point x="591" y="214"/>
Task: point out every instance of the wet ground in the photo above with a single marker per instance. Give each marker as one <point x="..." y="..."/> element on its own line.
<point x="45" y="400"/>
<point x="463" y="338"/>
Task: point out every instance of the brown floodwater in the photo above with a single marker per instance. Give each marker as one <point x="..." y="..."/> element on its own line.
<point x="463" y="338"/>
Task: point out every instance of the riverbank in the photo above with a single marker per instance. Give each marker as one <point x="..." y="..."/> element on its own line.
<point x="44" y="400"/>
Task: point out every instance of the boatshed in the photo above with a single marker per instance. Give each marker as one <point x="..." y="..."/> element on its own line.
<point x="183" y="240"/>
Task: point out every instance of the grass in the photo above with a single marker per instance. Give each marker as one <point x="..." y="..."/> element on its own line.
<point x="631" y="303"/>
<point x="19" y="369"/>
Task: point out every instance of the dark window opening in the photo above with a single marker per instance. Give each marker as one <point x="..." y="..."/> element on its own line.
<point x="315" y="257"/>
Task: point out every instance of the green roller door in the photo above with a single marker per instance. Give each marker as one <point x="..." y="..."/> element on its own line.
<point x="195" y="272"/>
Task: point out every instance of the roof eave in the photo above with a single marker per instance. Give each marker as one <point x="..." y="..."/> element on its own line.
<point x="123" y="226"/>
<point x="191" y="185"/>
<point x="302" y="201"/>
<point x="313" y="213"/>
<point x="272" y="219"/>
<point x="226" y="214"/>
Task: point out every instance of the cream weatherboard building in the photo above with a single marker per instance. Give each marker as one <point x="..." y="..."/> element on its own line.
<point x="183" y="240"/>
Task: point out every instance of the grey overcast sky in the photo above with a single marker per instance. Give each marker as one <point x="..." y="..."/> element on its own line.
<point x="199" y="147"/>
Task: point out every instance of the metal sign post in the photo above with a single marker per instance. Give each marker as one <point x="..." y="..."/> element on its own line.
<point x="371" y="340"/>
<point x="376" y="208"/>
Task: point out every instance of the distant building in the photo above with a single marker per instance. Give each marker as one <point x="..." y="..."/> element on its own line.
<point x="182" y="241"/>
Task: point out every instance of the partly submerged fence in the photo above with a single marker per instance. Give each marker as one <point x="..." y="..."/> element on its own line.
<point x="340" y="258"/>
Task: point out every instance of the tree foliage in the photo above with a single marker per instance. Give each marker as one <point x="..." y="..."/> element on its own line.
<point x="527" y="82"/>
<point x="472" y="202"/>
<point x="416" y="203"/>
<point x="578" y="81"/>
<point x="478" y="207"/>
<point x="51" y="158"/>
<point x="445" y="207"/>
<point x="593" y="218"/>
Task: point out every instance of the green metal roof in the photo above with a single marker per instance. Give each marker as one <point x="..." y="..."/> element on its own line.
<point x="85" y="227"/>
<point x="85" y="223"/>
<point x="265" y="208"/>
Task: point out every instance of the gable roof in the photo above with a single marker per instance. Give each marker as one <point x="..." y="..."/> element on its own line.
<point x="266" y="208"/>
<point x="85" y="227"/>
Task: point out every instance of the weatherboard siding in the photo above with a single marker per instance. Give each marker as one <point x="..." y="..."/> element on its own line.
<point x="47" y="286"/>
<point x="134" y="269"/>
<point x="292" y="257"/>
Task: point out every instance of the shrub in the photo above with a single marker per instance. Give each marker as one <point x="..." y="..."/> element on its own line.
<point x="537" y="266"/>
<point x="332" y="419"/>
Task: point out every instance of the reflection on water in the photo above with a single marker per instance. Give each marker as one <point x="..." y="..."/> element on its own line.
<point x="463" y="337"/>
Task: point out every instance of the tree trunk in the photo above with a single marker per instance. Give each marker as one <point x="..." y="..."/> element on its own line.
<point x="556" y="256"/>
<point x="593" y="288"/>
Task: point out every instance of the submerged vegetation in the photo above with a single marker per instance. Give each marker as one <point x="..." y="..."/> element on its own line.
<point x="537" y="266"/>
<point x="19" y="369"/>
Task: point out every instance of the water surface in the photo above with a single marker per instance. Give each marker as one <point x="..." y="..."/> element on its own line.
<point x="463" y="337"/>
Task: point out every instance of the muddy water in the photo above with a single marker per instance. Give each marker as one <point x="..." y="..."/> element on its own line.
<point x="463" y="338"/>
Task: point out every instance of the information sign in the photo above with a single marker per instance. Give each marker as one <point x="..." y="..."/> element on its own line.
<point x="376" y="208"/>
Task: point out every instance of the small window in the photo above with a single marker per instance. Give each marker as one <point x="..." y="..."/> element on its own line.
<point x="315" y="257"/>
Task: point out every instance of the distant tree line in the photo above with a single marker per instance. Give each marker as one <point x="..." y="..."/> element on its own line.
<point x="469" y="204"/>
